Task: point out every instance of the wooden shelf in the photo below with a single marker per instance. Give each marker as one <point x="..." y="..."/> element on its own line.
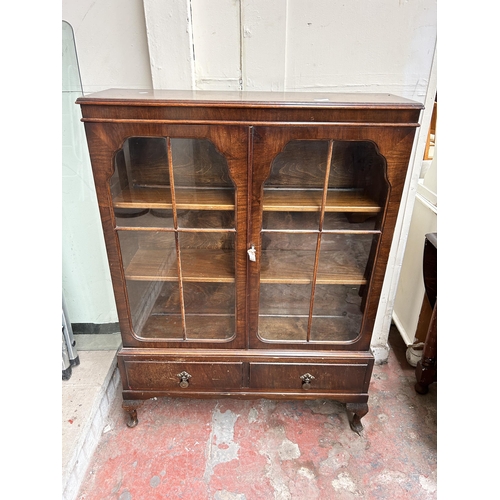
<point x="217" y="266"/>
<point x="186" y="198"/>
<point x="289" y="200"/>
<point x="297" y="266"/>
<point x="295" y="300"/>
<point x="275" y="200"/>
<point x="208" y="299"/>
<point x="294" y="329"/>
<point x="198" y="327"/>
<point x="198" y="265"/>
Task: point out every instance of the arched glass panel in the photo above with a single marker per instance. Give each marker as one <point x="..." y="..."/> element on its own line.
<point x="321" y="222"/>
<point x="174" y="206"/>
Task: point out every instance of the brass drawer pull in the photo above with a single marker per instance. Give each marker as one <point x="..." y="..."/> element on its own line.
<point x="307" y="378"/>
<point x="184" y="376"/>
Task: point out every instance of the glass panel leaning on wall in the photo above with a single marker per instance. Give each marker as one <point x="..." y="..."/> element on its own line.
<point x="321" y="222"/>
<point x="174" y="206"/>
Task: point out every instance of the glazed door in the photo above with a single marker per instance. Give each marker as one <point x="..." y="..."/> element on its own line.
<point x="175" y="201"/>
<point x="317" y="216"/>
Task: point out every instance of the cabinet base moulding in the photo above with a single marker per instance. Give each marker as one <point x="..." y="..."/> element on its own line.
<point x="247" y="376"/>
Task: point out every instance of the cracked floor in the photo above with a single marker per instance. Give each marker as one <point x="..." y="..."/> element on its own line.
<point x="230" y="449"/>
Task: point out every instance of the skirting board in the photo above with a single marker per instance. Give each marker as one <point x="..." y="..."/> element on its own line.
<point x="86" y="328"/>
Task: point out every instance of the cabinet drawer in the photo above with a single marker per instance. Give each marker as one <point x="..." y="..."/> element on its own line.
<point x="168" y="375"/>
<point x="338" y="377"/>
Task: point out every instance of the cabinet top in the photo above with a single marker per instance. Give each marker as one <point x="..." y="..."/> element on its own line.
<point x="209" y="98"/>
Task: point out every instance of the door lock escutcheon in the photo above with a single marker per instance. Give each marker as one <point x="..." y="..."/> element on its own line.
<point x="251" y="253"/>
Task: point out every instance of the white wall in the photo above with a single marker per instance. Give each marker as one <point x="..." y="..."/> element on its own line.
<point x="410" y="291"/>
<point x="354" y="45"/>
<point x="383" y="46"/>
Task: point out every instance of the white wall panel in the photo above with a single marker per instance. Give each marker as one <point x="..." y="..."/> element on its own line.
<point x="217" y="43"/>
<point x="169" y="32"/>
<point x="264" y="44"/>
<point x="355" y="45"/>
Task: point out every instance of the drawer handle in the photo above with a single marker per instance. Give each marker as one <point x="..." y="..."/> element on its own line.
<point x="307" y="378"/>
<point x="184" y="376"/>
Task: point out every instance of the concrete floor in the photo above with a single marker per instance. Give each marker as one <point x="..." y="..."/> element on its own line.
<point x="229" y="449"/>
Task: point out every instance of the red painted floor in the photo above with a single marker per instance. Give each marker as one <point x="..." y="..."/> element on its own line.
<point x="257" y="450"/>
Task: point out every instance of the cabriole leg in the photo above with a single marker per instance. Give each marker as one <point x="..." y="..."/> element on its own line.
<point x="359" y="410"/>
<point x="130" y="408"/>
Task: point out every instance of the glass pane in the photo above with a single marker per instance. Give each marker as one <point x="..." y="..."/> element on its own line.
<point x="165" y="319"/>
<point x="207" y="257"/>
<point x="356" y="187"/>
<point x="148" y="255"/>
<point x="343" y="258"/>
<point x="290" y="220"/>
<point x="301" y="165"/>
<point x="204" y="191"/>
<point x="284" y="311"/>
<point x="140" y="184"/>
<point x="206" y="219"/>
<point x="197" y="164"/>
<point x="287" y="258"/>
<point x="350" y="221"/>
<point x="144" y="218"/>
<point x="150" y="264"/>
<point x="293" y="190"/>
<point x="146" y="162"/>
<point x="287" y="266"/>
<point x="337" y="313"/>
<point x="209" y="310"/>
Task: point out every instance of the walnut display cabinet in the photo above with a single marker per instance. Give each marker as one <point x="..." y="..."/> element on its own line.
<point x="248" y="235"/>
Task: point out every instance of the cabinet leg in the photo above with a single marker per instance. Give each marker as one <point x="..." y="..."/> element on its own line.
<point x="359" y="410"/>
<point x="426" y="374"/>
<point x="130" y="408"/>
<point x="421" y="388"/>
<point x="426" y="370"/>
